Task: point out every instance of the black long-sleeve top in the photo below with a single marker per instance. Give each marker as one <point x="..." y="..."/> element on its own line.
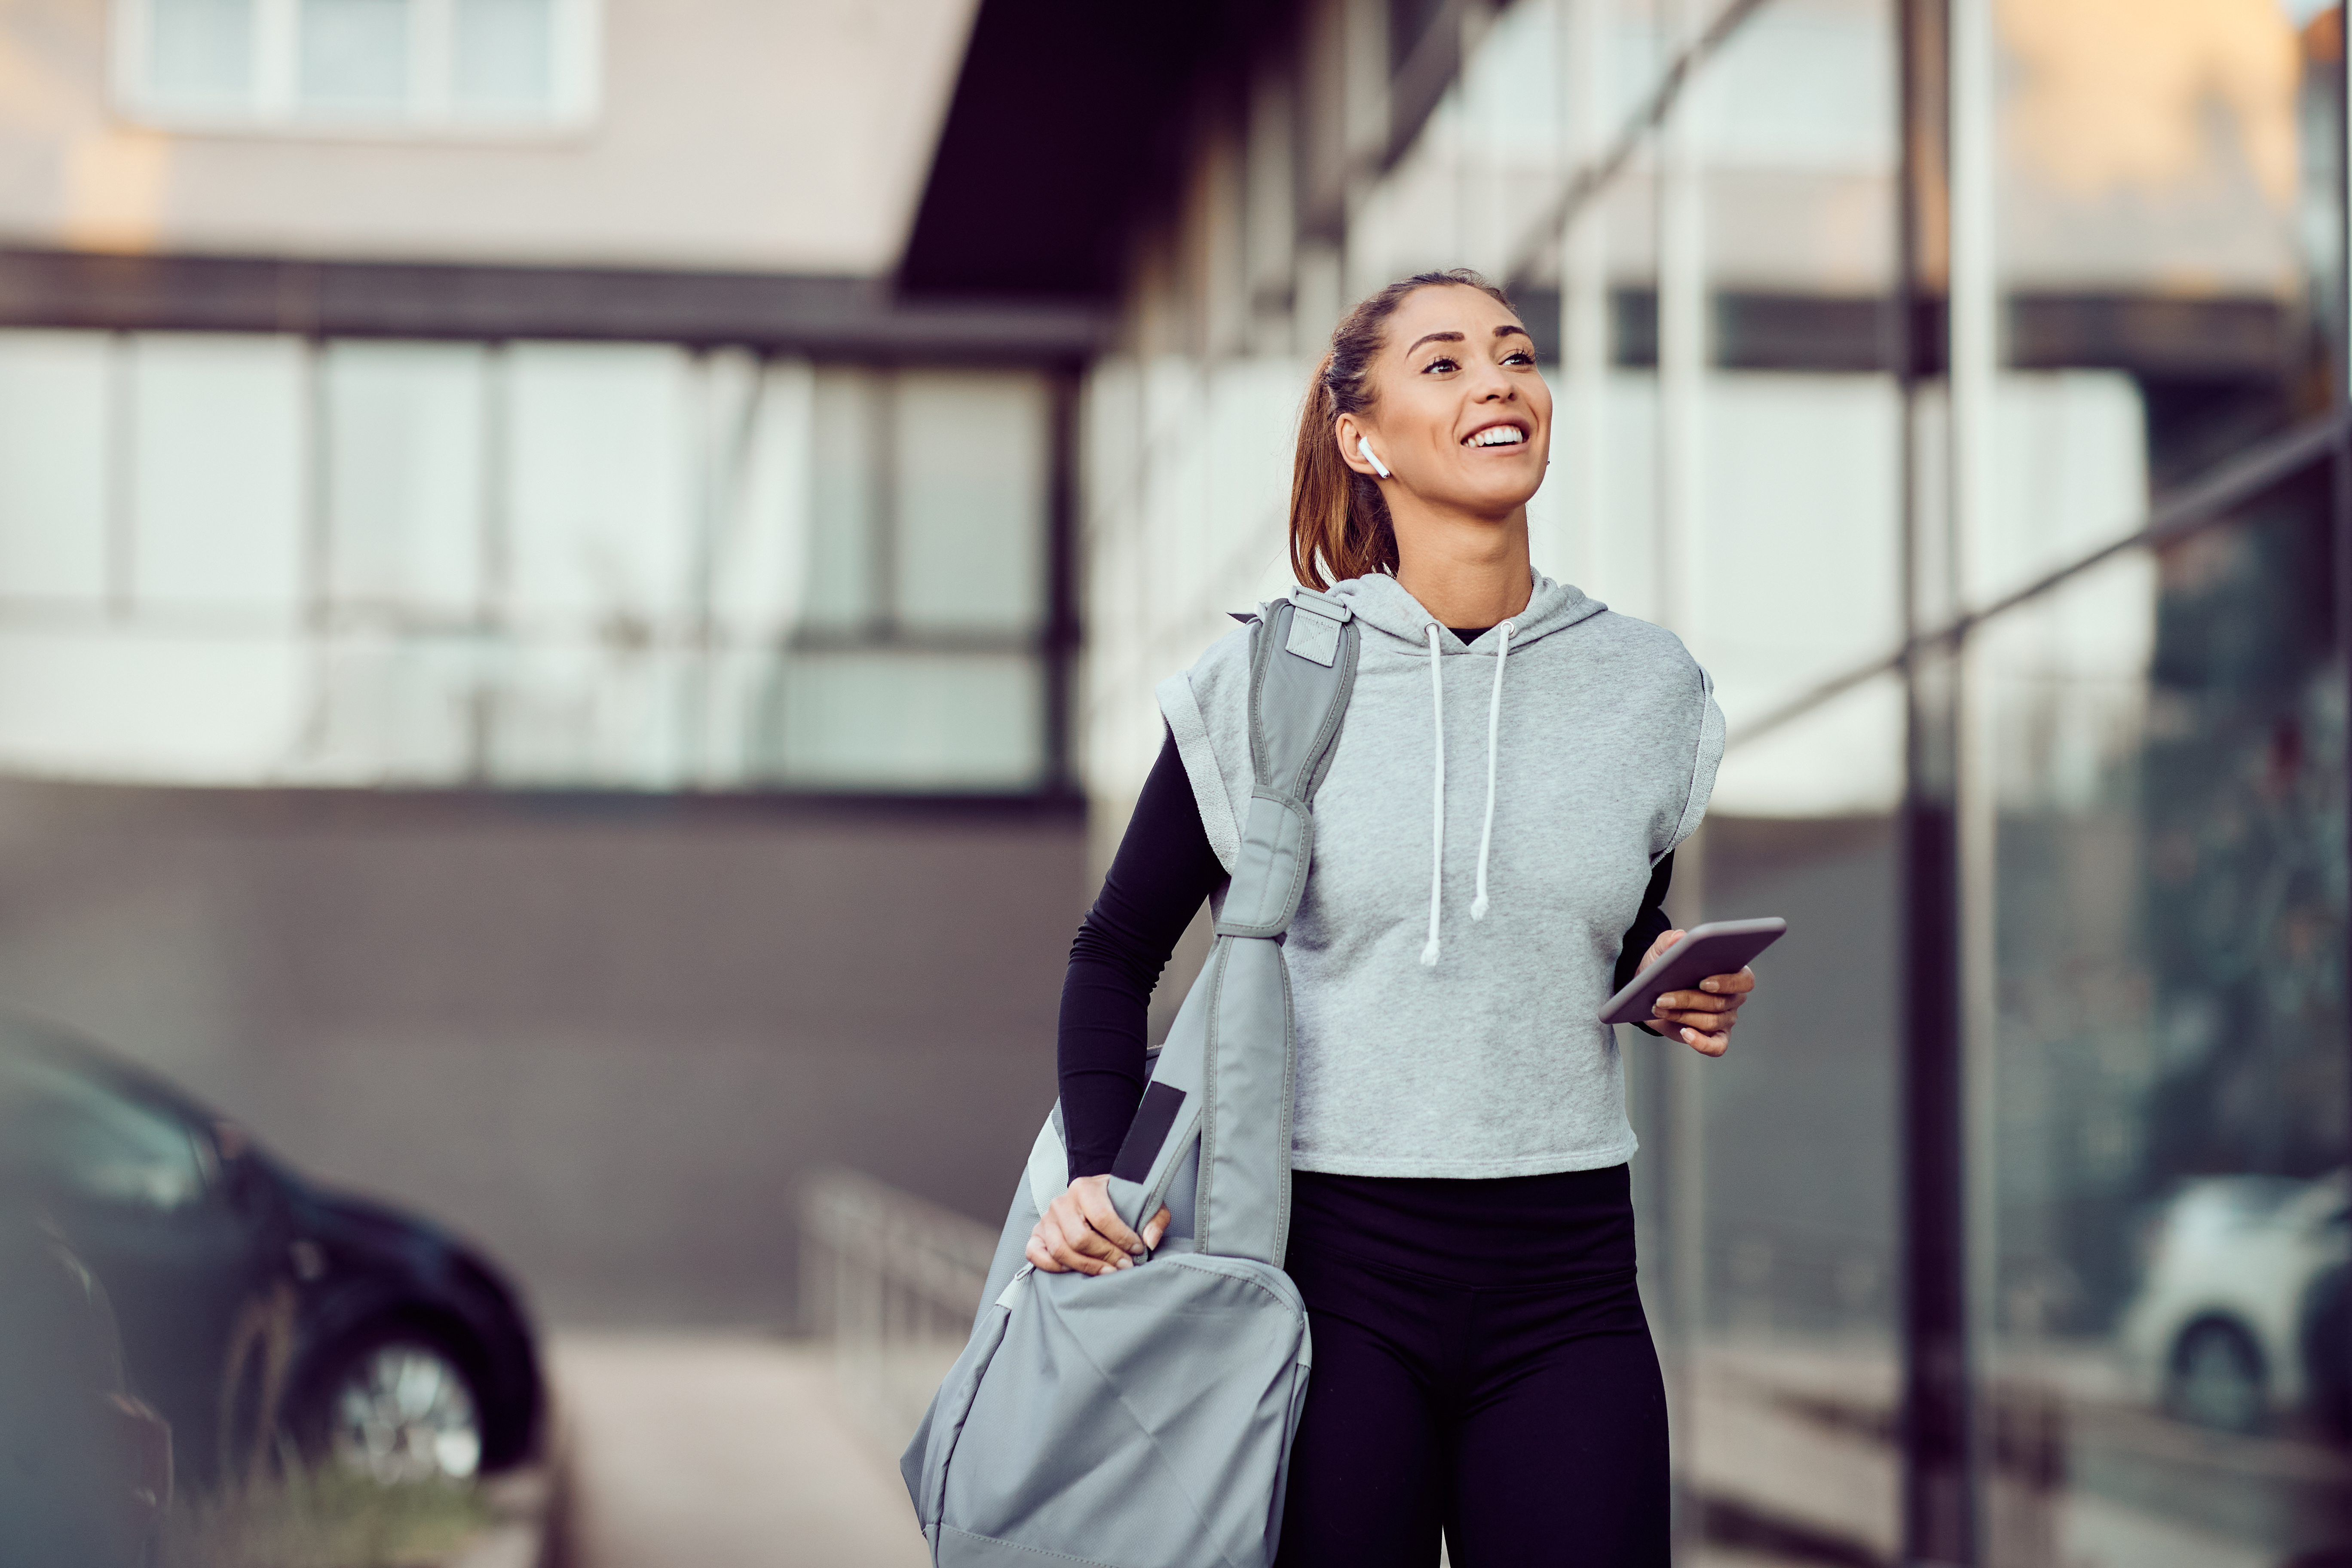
<point x="1163" y="873"/>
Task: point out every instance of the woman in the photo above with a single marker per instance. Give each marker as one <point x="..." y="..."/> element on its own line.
<point x="1462" y="1227"/>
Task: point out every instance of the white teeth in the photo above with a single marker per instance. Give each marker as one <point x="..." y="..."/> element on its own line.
<point x="1498" y="436"/>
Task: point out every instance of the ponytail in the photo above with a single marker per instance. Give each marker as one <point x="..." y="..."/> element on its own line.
<point x="1338" y="518"/>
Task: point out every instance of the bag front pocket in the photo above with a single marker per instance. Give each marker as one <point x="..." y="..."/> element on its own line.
<point x="1137" y="1418"/>
<point x="951" y="1406"/>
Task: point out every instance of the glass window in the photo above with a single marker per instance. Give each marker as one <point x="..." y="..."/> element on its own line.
<point x="2167" y="1125"/>
<point x="1776" y="1178"/>
<point x="354" y="54"/>
<point x="848" y="560"/>
<point x="758" y="565"/>
<point x="547" y="564"/>
<point x="1842" y="758"/>
<point x="200" y="53"/>
<point x="1805" y="89"/>
<point x="1794" y="576"/>
<point x="406" y="491"/>
<point x="413" y="65"/>
<point x="96" y="1143"/>
<point x="2162" y="743"/>
<point x="53" y="467"/>
<point x="568" y="710"/>
<point x="910" y="721"/>
<point x="2164" y="287"/>
<point x="151" y="704"/>
<point x="218" y="476"/>
<point x="390" y="709"/>
<point x="1776" y="184"/>
<point x="971" y="450"/>
<point x="2128" y="284"/>
<point x="502" y="57"/>
<point x="598" y="487"/>
<point x="1620" y="465"/>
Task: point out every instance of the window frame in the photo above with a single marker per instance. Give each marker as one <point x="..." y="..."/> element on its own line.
<point x="273" y="106"/>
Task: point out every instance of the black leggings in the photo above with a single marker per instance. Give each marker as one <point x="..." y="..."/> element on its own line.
<point x="1482" y="1367"/>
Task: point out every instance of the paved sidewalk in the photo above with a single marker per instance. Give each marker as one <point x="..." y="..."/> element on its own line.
<point x="720" y="1451"/>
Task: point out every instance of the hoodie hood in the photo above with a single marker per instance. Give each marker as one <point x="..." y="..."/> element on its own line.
<point x="1381" y="603"/>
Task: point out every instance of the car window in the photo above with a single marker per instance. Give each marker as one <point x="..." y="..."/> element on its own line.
<point x="94" y="1141"/>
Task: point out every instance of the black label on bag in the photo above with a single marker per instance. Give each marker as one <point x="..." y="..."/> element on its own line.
<point x="1147" y="1131"/>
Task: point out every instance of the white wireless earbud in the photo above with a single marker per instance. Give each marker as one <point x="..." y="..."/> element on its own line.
<point x="1364" y="447"/>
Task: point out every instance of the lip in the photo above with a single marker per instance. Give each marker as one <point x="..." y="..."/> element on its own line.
<point x="1527" y="436"/>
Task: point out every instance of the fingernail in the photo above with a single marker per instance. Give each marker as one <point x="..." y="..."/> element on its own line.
<point x="1690" y="1036"/>
<point x="1126" y="1263"/>
<point x="1708" y="986"/>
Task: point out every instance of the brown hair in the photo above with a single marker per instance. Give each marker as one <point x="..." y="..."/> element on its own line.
<point x="1338" y="520"/>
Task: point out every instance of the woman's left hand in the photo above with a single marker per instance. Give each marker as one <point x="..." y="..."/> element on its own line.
<point x="1702" y="1019"/>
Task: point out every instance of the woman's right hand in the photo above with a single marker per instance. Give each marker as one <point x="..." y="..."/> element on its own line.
<point x="1081" y="1231"/>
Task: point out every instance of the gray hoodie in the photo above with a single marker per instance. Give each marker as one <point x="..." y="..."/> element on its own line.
<point x="1463" y="917"/>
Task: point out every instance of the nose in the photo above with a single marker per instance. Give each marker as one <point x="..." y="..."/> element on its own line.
<point x="1493" y="385"/>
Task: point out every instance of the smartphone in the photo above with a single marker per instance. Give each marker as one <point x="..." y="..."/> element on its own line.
<point x="1722" y="948"/>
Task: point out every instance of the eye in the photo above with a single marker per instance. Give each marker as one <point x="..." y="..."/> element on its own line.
<point x="1440" y="363"/>
<point x="1519" y="356"/>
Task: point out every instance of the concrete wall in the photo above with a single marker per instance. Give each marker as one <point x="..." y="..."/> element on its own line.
<point x="605" y="1037"/>
<point x="783" y="134"/>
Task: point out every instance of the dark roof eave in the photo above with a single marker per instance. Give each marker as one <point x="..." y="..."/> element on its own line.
<point x="788" y="312"/>
<point x="1062" y="128"/>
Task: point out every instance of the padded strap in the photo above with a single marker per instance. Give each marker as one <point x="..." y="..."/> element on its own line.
<point x="1229" y="1053"/>
<point x="1270" y="874"/>
<point x="1296" y="699"/>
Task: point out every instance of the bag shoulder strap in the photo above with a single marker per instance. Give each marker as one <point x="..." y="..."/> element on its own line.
<point x="1302" y="672"/>
<point x="1225" y="1078"/>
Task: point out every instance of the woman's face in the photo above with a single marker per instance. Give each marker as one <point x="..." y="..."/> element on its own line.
<point x="1459" y="414"/>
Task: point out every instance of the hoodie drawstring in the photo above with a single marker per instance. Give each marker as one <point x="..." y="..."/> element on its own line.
<point x="1437" y="791"/>
<point x="1493" y="733"/>
<point x="1437" y="785"/>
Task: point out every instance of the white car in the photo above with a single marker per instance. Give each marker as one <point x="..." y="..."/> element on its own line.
<point x="2216" y="1335"/>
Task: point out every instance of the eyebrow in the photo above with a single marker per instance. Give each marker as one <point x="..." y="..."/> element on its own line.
<point x="1504" y="331"/>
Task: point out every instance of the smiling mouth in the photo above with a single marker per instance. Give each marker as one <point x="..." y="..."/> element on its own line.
<point x="1497" y="436"/>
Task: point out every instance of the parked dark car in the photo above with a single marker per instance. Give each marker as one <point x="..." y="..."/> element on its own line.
<point x="85" y="1469"/>
<point x="258" y="1310"/>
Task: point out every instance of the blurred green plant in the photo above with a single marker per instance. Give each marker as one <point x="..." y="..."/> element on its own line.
<point x="327" y="1518"/>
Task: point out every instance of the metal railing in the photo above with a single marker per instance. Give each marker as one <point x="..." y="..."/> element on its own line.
<point x="894" y="1283"/>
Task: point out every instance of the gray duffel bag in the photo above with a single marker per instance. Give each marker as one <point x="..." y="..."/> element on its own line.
<point x="1143" y="1418"/>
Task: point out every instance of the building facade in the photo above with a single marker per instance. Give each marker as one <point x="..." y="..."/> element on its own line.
<point x="528" y="674"/>
<point x="1963" y="381"/>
